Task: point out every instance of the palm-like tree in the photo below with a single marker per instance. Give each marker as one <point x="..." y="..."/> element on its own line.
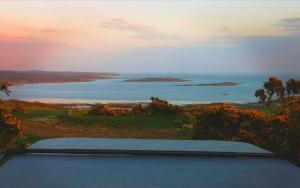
<point x="4" y="87"/>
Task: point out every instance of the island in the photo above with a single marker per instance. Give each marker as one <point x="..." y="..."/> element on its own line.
<point x="37" y="76"/>
<point x="213" y="84"/>
<point x="156" y="79"/>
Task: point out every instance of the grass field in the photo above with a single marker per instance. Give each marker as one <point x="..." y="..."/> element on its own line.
<point x="48" y="123"/>
<point x="42" y="121"/>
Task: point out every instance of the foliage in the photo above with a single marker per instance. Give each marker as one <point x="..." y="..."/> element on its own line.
<point x="226" y="122"/>
<point x="18" y="109"/>
<point x="293" y="87"/>
<point x="274" y="90"/>
<point x="279" y="133"/>
<point x="4" y="87"/>
<point x="11" y="130"/>
<point x="100" y="109"/>
<point x="261" y="94"/>
<point x="285" y="130"/>
<point x="157" y="105"/>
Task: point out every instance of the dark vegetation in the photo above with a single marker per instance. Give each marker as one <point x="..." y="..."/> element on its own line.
<point x="273" y="123"/>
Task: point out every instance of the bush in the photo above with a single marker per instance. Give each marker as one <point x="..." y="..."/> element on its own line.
<point x="279" y="133"/>
<point x="18" y="109"/>
<point x="11" y="131"/>
<point x="285" y="130"/>
<point x="226" y="122"/>
<point x="100" y="109"/>
<point x="157" y="105"/>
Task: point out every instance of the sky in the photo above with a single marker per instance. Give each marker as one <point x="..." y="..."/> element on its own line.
<point x="151" y="36"/>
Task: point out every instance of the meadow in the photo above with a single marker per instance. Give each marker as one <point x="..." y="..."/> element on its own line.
<point x="49" y="121"/>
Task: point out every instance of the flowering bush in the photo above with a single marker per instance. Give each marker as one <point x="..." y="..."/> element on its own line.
<point x="279" y="133"/>
<point x="157" y="105"/>
<point x="11" y="130"/>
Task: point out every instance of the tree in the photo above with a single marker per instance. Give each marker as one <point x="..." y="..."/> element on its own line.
<point x="262" y="95"/>
<point x="274" y="88"/>
<point x="4" y="87"/>
<point x="293" y="87"/>
<point x="158" y="105"/>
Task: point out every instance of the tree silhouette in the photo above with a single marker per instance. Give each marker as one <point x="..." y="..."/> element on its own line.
<point x="261" y="94"/>
<point x="274" y="88"/>
<point x="293" y="87"/>
<point x="4" y="87"/>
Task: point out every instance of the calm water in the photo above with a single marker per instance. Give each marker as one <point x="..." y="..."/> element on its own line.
<point x="116" y="90"/>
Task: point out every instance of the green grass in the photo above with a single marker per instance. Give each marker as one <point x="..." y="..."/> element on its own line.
<point x="38" y="113"/>
<point x="158" y="121"/>
<point x="161" y="121"/>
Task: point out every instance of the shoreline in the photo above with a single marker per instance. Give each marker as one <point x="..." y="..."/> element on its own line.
<point x="16" y="84"/>
<point x="37" y="77"/>
<point x="119" y="101"/>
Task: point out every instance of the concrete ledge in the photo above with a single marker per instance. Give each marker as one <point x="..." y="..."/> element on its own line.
<point x="147" y="147"/>
<point x="146" y="152"/>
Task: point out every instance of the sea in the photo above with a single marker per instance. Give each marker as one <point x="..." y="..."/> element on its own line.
<point x="117" y="90"/>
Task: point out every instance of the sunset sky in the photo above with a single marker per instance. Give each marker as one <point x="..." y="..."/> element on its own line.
<point x="151" y="36"/>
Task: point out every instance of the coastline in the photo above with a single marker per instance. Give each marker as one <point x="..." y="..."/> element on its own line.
<point x="35" y="77"/>
<point x="94" y="101"/>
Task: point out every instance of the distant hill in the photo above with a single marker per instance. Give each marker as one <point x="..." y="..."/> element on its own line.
<point x="36" y="76"/>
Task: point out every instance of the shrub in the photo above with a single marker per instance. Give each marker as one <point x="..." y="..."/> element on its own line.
<point x="11" y="131"/>
<point x="285" y="130"/>
<point x="100" y="109"/>
<point x="18" y="109"/>
<point x="279" y="133"/>
<point x="157" y="105"/>
<point x="226" y="122"/>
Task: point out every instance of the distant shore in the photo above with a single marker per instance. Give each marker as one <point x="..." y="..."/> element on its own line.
<point x="93" y="101"/>
<point x="213" y="84"/>
<point x="30" y="77"/>
<point x="157" y="79"/>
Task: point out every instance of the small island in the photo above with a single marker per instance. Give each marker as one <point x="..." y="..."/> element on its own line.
<point x="213" y="84"/>
<point x="156" y="79"/>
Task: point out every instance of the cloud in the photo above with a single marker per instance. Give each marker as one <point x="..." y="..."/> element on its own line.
<point x="138" y="30"/>
<point x="291" y="25"/>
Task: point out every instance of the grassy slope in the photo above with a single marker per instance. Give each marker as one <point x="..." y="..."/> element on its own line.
<point x="42" y="122"/>
<point x="45" y="123"/>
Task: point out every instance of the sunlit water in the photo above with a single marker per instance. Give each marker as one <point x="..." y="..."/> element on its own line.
<point x="116" y="90"/>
